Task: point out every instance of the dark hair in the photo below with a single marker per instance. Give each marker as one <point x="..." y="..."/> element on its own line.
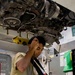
<point x="40" y="38"/>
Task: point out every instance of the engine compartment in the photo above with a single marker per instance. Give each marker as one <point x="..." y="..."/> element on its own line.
<point x="41" y="17"/>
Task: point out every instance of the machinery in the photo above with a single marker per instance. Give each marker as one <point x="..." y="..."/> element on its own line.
<point x="41" y="17"/>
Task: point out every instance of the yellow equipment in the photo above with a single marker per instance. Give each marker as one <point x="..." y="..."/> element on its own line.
<point x="20" y="40"/>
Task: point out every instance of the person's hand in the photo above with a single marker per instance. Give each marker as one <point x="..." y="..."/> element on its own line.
<point x="34" y="45"/>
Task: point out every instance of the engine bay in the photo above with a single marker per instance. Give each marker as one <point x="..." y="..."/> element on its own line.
<point x="41" y="17"/>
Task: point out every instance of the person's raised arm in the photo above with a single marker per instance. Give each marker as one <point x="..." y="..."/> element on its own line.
<point x="25" y="61"/>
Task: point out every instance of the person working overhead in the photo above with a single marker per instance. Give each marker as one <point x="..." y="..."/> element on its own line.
<point x="23" y="63"/>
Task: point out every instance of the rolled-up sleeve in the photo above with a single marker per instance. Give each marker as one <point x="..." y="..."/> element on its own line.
<point x="18" y="57"/>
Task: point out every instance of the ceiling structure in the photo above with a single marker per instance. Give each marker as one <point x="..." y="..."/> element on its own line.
<point x="37" y="17"/>
<point x="70" y="4"/>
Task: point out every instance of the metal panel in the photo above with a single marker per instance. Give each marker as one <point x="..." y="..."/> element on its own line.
<point x="5" y="64"/>
<point x="55" y="66"/>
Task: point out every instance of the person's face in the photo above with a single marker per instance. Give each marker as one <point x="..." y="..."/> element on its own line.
<point x="39" y="49"/>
